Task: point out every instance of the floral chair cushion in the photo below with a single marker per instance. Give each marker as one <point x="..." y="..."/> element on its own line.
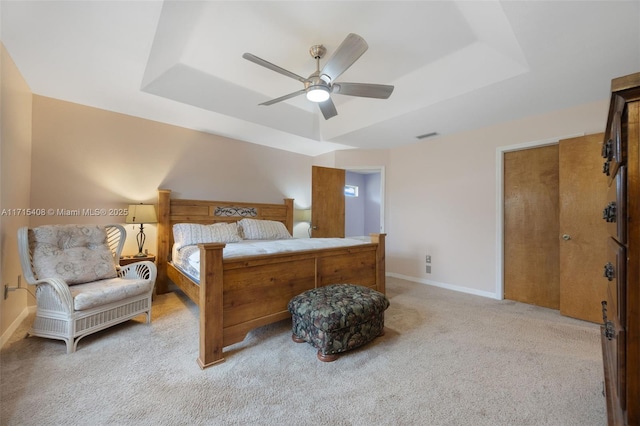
<point x="75" y="253"/>
<point x="99" y="293"/>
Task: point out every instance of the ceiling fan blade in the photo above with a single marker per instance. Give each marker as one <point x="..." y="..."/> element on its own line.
<point x="284" y="98"/>
<point x="347" y="53"/>
<point x="272" y="67"/>
<point x="328" y="109"/>
<point x="379" y="91"/>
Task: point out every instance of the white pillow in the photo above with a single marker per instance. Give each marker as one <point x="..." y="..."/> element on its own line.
<point x="186" y="234"/>
<point x="255" y="229"/>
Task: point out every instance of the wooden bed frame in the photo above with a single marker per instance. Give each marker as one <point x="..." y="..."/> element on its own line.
<point x="240" y="294"/>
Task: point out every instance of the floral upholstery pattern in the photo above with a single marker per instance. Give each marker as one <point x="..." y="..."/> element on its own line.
<point x="99" y="293"/>
<point x="338" y="317"/>
<point x="75" y="253"/>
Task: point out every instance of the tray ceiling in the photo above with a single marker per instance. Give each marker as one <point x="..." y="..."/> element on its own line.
<point x="455" y="65"/>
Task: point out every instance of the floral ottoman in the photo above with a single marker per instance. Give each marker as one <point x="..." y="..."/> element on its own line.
<point x="337" y="318"/>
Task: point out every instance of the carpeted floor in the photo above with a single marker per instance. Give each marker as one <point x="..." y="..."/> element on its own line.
<point x="446" y="358"/>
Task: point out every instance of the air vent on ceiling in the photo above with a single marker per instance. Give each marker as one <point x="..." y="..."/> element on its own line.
<point x="427" y="135"/>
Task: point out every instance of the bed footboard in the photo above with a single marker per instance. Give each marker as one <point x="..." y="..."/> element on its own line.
<point x="239" y="295"/>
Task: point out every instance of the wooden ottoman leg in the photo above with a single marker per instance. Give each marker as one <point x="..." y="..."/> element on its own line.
<point x="297" y="339"/>
<point x="327" y="358"/>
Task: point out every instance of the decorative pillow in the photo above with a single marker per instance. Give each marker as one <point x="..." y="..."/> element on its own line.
<point x="186" y="234"/>
<point x="255" y="229"/>
<point x="75" y="253"/>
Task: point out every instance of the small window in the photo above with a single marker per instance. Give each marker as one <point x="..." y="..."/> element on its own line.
<point x="350" y="191"/>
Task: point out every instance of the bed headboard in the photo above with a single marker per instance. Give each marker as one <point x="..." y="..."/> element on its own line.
<point x="172" y="211"/>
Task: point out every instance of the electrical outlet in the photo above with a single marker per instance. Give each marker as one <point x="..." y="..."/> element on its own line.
<point x="428" y="269"/>
<point x="428" y="258"/>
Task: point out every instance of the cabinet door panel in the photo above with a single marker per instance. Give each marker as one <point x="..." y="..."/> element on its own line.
<point x="612" y="149"/>
<point x="615" y="212"/>
<point x="615" y="274"/>
<point x="611" y="379"/>
<point x="615" y="314"/>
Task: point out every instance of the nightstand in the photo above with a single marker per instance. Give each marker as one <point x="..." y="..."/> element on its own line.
<point x="125" y="260"/>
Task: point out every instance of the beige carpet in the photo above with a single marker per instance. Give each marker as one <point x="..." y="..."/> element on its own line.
<point x="447" y="358"/>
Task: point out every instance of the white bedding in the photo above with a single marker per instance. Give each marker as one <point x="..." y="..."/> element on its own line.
<point x="188" y="258"/>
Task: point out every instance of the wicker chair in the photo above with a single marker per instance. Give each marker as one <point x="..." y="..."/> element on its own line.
<point x="80" y="288"/>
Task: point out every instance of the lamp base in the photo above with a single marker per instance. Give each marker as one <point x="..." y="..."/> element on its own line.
<point x="140" y="238"/>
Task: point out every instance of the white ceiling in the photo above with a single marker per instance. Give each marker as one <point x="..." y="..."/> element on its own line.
<point x="455" y="65"/>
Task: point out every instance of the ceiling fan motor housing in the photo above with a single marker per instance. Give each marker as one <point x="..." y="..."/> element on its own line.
<point x="315" y="80"/>
<point x="317" y="51"/>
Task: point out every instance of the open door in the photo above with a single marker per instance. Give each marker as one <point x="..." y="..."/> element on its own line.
<point x="583" y="232"/>
<point x="327" y="202"/>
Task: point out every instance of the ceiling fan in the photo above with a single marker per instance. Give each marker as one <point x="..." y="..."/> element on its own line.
<point x="322" y="83"/>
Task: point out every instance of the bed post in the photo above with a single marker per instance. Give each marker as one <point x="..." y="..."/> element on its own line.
<point x="289" y="203"/>
<point x="381" y="272"/>
<point x="211" y="305"/>
<point x="164" y="233"/>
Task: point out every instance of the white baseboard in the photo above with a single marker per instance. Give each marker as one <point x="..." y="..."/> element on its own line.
<point x="447" y="286"/>
<point x="15" y="324"/>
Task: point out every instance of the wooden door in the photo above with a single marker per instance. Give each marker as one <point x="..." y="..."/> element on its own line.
<point x="327" y="202"/>
<point x="583" y="231"/>
<point x="531" y="246"/>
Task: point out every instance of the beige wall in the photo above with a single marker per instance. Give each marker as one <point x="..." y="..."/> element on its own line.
<point x="442" y="198"/>
<point x="15" y="154"/>
<point x="87" y="158"/>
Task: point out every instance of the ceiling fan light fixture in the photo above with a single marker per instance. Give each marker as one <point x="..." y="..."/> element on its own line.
<point x="322" y="84"/>
<point x="317" y="93"/>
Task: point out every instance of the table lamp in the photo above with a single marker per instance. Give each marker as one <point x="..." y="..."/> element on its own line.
<point x="141" y="213"/>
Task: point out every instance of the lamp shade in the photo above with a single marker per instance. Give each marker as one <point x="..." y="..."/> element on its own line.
<point x="302" y="215"/>
<point x="141" y="213"/>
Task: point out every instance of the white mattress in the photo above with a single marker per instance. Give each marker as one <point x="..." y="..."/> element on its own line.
<point x="187" y="258"/>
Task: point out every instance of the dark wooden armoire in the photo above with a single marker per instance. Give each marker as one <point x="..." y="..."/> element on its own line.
<point x="621" y="309"/>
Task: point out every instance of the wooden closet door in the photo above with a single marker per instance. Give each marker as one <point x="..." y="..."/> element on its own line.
<point x="531" y="245"/>
<point x="583" y="231"/>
